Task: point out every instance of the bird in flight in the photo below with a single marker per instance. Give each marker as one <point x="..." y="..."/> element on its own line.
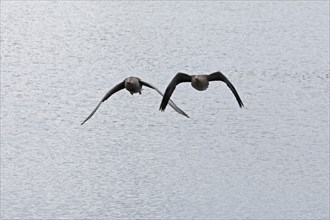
<point x="199" y="82"/>
<point x="133" y="85"/>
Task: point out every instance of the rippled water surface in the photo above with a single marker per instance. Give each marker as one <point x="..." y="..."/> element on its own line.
<point x="269" y="159"/>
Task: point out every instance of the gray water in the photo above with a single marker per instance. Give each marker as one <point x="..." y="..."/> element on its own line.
<point x="268" y="160"/>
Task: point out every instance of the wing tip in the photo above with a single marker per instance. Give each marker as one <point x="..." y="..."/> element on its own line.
<point x="241" y="105"/>
<point x="162" y="107"/>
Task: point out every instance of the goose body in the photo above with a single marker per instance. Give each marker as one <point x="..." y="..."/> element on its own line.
<point x="133" y="85"/>
<point x="198" y="82"/>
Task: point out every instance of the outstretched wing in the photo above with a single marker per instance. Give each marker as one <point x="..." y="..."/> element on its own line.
<point x="178" y="78"/>
<point x="115" y="89"/>
<point x="218" y="76"/>
<point x="171" y="103"/>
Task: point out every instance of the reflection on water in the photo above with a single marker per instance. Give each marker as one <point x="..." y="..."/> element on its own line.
<point x="267" y="160"/>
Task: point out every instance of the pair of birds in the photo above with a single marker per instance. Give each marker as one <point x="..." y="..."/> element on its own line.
<point x="199" y="82"/>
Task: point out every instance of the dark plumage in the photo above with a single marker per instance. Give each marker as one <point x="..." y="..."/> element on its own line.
<point x="199" y="82"/>
<point x="133" y="85"/>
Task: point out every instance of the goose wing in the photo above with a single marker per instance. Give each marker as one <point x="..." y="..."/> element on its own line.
<point x="178" y="78"/>
<point x="171" y="103"/>
<point x="218" y="76"/>
<point x="115" y="89"/>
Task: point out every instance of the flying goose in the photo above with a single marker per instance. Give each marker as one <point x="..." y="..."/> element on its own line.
<point x="133" y="85"/>
<point x="199" y="82"/>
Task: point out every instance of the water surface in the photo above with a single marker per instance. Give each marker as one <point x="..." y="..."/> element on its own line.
<point x="269" y="160"/>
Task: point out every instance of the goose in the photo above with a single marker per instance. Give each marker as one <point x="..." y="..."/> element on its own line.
<point x="198" y="82"/>
<point x="133" y="85"/>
